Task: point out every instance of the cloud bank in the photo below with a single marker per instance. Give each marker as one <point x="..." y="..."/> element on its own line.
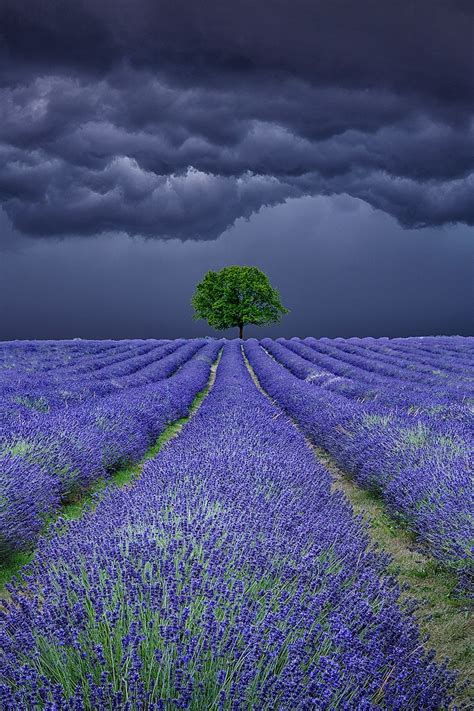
<point x="173" y="119"/>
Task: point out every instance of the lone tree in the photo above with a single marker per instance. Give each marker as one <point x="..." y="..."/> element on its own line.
<point x="236" y="296"/>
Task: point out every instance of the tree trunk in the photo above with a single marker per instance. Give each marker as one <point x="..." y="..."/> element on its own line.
<point x="241" y="330"/>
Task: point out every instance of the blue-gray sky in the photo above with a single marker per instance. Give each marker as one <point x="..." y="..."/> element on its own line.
<point x="143" y="143"/>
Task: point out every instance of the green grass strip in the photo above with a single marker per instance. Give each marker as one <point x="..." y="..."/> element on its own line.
<point x="441" y="612"/>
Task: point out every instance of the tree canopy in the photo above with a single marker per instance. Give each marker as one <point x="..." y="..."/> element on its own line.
<point x="236" y="296"/>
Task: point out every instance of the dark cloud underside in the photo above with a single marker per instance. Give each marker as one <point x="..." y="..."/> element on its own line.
<point x="174" y="119"/>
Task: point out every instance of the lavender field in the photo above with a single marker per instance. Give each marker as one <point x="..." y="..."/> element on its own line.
<point x="228" y="573"/>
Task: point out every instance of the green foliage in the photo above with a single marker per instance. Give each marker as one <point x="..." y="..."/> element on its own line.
<point x="237" y="296"/>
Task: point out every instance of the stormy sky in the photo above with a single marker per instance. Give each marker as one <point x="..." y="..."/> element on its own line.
<point x="144" y="142"/>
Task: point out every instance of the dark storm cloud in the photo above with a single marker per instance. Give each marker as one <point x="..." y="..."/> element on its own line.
<point x="423" y="44"/>
<point x="173" y="119"/>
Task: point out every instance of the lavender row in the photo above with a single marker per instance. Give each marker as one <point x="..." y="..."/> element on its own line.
<point x="63" y="360"/>
<point x="458" y="347"/>
<point x="370" y="363"/>
<point x="404" y="348"/>
<point x="107" y="358"/>
<point x="26" y="383"/>
<point x="33" y="398"/>
<point x="47" y="355"/>
<point x="370" y="367"/>
<point x="424" y="474"/>
<point x="419" y="351"/>
<point x="455" y="346"/>
<point x="352" y="382"/>
<point x="60" y="377"/>
<point x="396" y="355"/>
<point x="45" y="463"/>
<point x="228" y="577"/>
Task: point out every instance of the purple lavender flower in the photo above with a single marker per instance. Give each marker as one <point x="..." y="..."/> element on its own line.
<point x="227" y="576"/>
